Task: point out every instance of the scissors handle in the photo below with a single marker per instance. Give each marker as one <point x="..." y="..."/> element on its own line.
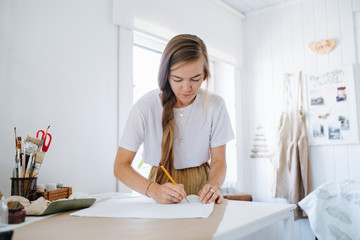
<point x="46" y="143"/>
<point x="42" y="134"/>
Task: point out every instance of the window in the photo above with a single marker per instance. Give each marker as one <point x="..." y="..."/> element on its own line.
<point x="146" y="60"/>
<point x="146" y="66"/>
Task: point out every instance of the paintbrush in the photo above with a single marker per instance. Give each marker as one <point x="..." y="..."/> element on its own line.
<point x="15" y="172"/>
<point x="33" y="140"/>
<point x="15" y="138"/>
<point x="39" y="158"/>
<point x="29" y="165"/>
<point x="17" y="169"/>
<point x="23" y="161"/>
<point x="18" y="156"/>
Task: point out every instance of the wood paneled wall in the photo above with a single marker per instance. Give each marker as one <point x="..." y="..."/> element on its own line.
<point x="275" y="43"/>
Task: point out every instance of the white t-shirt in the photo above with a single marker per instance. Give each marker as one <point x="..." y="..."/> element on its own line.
<point x="198" y="127"/>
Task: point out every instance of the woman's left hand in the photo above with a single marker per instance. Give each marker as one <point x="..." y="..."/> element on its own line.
<point x="211" y="193"/>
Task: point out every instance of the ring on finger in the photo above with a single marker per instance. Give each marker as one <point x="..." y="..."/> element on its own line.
<point x="212" y="190"/>
<point x="172" y="198"/>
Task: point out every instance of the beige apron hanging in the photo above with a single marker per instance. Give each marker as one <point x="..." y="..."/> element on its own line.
<point x="300" y="179"/>
<point x="284" y="136"/>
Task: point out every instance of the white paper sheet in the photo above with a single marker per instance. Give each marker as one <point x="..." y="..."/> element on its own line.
<point x="143" y="207"/>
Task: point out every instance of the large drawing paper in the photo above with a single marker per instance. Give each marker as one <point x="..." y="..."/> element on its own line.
<point x="143" y="207"/>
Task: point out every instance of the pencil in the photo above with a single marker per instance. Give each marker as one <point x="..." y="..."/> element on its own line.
<point x="171" y="179"/>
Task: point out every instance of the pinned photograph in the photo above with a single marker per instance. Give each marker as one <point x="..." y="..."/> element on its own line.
<point x="344" y="123"/>
<point x="334" y="132"/>
<point x="341" y="94"/>
<point x="318" y="130"/>
<point x="316" y="97"/>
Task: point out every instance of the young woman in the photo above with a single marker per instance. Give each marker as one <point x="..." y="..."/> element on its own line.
<point x="183" y="128"/>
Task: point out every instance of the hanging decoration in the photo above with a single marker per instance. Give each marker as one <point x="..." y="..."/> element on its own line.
<point x="323" y="47"/>
<point x="260" y="148"/>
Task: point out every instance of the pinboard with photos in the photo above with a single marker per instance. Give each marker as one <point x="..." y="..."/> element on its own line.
<point x="331" y="106"/>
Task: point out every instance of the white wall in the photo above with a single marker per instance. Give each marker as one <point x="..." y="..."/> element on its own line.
<point x="276" y="43"/>
<point x="58" y="67"/>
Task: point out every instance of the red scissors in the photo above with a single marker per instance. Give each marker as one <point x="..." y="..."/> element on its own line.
<point x="46" y="142"/>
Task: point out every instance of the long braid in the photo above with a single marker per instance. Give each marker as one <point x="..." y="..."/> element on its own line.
<point x="167" y="144"/>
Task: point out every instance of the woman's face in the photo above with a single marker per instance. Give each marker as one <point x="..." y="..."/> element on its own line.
<point x="185" y="80"/>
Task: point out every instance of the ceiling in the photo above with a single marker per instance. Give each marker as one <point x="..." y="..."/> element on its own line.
<point x="248" y="6"/>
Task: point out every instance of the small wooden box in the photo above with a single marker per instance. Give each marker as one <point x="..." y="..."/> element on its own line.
<point x="57" y="194"/>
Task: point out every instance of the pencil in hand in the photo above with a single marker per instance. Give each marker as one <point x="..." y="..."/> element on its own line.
<point x="171" y="179"/>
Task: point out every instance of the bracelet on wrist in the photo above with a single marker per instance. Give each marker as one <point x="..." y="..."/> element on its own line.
<point x="147" y="189"/>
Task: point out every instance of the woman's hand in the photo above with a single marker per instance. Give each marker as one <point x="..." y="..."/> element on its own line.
<point x="167" y="193"/>
<point x="211" y="193"/>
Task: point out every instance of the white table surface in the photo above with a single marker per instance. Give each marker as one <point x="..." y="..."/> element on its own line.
<point x="243" y="218"/>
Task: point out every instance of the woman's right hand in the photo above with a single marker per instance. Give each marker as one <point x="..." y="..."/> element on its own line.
<point x="167" y="193"/>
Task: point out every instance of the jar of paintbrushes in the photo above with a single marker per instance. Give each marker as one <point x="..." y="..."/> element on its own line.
<point x="28" y="160"/>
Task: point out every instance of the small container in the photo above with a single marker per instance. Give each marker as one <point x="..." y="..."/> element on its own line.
<point x="40" y="188"/>
<point x="25" y="187"/>
<point x="58" y="194"/>
<point x="16" y="217"/>
<point x="4" y="213"/>
<point x="50" y="187"/>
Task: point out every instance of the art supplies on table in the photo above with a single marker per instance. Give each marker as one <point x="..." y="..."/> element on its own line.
<point x="42" y="207"/>
<point x="25" y="187"/>
<point x="29" y="156"/>
<point x="56" y="194"/>
<point x="43" y="142"/>
<point x="16" y="212"/>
